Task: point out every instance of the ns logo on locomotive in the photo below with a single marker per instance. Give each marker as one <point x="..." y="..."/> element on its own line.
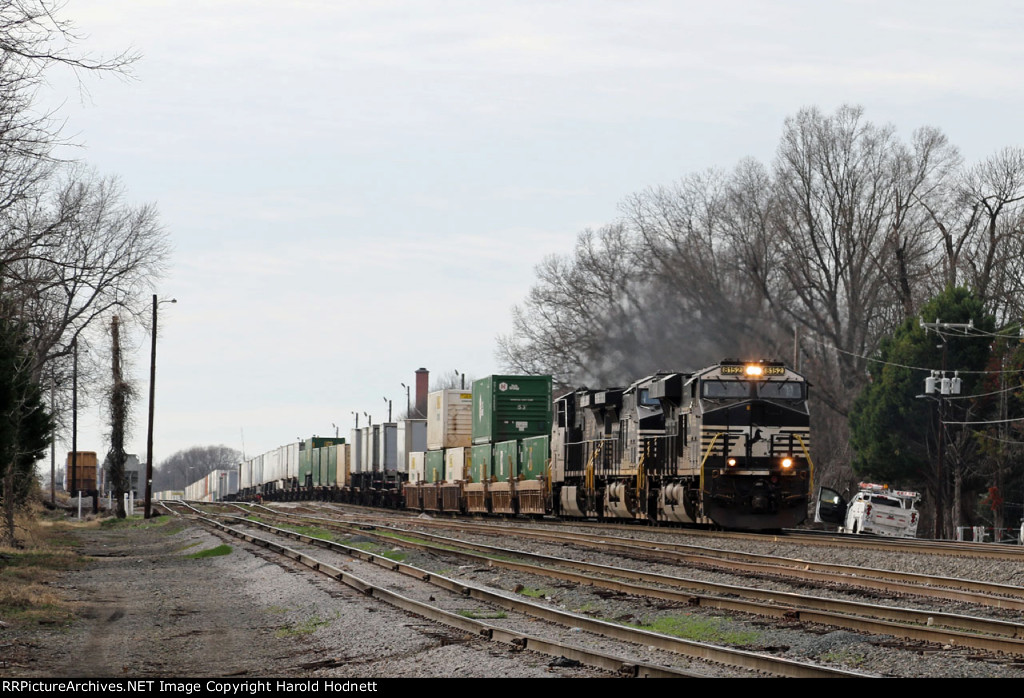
<point x="726" y="445"/>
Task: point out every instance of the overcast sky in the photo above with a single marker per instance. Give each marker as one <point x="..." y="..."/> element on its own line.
<point x="357" y="189"/>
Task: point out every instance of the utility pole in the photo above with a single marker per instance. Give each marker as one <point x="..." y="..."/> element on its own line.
<point x="152" y="407"/>
<point x="946" y="386"/>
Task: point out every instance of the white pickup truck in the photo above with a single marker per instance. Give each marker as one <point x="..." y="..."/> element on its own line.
<point x="874" y="509"/>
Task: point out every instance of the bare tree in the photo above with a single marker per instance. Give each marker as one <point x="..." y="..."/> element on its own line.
<point x="71" y="250"/>
<point x="186" y="466"/>
<point x="77" y="254"/>
<point x="589" y="317"/>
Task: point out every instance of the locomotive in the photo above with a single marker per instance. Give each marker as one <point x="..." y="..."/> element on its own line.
<point x="728" y="445"/>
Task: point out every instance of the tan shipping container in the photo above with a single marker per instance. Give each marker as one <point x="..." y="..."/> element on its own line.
<point x="449" y="419"/>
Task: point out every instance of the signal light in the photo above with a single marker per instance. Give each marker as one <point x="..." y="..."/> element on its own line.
<point x="731" y="462"/>
<point x="787" y="462"/>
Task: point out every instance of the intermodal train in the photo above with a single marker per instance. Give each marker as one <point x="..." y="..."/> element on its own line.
<point x="728" y="445"/>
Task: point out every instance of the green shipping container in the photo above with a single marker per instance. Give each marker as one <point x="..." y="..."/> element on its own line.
<point x="327" y="473"/>
<point x="433" y="469"/>
<point x="481" y="463"/>
<point x="315" y="461"/>
<point x="511" y="407"/>
<point x="533" y="457"/>
<point x="506" y="460"/>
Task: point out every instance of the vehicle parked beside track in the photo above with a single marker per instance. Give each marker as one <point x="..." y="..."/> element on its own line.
<point x="873" y="509"/>
<point x="727" y="445"/>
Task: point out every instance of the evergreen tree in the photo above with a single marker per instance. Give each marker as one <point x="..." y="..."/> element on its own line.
<point x="894" y="430"/>
<point x="25" y="425"/>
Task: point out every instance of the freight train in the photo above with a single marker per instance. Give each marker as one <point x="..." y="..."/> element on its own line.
<point x="728" y="445"/>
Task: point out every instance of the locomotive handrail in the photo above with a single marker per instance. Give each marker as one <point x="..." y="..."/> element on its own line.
<point x="705" y="459"/>
<point x="810" y="463"/>
<point x="589" y="470"/>
<point x="640" y="473"/>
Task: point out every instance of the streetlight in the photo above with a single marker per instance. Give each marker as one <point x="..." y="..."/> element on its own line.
<point x="152" y="401"/>
<point x="408" y="404"/>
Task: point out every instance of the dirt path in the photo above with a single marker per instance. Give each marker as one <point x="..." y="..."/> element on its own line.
<point x="147" y="609"/>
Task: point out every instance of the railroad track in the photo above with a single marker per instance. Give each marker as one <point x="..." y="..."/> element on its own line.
<point x="891" y="582"/>
<point x="944" y="629"/>
<point x="570" y="622"/>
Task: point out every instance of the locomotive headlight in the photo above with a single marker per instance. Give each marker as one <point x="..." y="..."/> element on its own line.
<point x="753" y="370"/>
<point x="787" y="462"/>
<point x="731" y="462"/>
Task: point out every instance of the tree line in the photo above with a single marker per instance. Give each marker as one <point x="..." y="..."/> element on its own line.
<point x="73" y="251"/>
<point x="816" y="257"/>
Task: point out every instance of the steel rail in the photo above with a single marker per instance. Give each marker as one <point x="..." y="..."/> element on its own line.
<point x="609" y="662"/>
<point x="731" y="657"/>
<point x="949" y="588"/>
<point x="937" y="627"/>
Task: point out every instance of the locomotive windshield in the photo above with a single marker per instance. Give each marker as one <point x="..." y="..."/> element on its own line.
<point x="726" y="389"/>
<point x="738" y="390"/>
<point x="644" y="398"/>
<point x="781" y="390"/>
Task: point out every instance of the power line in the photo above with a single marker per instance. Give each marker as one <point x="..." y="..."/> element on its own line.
<point x="993" y="421"/>
<point x="994" y="438"/>
<point x="898" y="365"/>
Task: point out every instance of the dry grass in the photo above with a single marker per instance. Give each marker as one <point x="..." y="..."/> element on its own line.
<point x="26" y="573"/>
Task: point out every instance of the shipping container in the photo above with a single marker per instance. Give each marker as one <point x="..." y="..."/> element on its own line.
<point x="456" y="462"/>
<point x="481" y="463"/>
<point x="387" y="448"/>
<point x="417" y="466"/>
<point x="506" y="460"/>
<point x="449" y="419"/>
<point x="356" y="453"/>
<point x="314" y="465"/>
<point x="412" y="437"/>
<point x="511" y="407"/>
<point x="533" y="457"/>
<point x="434" y="466"/>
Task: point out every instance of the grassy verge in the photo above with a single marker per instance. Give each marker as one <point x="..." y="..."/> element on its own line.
<point x="306" y="627"/>
<point x="162" y="523"/>
<point x="26" y="574"/>
<point x="377" y="549"/>
<point x="211" y="552"/>
<point x="311" y="531"/>
<point x="715" y="630"/>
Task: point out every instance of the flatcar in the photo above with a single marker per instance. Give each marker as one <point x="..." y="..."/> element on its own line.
<point x="728" y="445"/>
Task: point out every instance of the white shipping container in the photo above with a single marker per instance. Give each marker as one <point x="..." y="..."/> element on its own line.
<point x="416" y="462"/>
<point x="368" y="454"/>
<point x="356" y="451"/>
<point x="449" y="419"/>
<point x="456" y="462"/>
<point x="291" y="461"/>
<point x="412" y="436"/>
<point x="273" y="468"/>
